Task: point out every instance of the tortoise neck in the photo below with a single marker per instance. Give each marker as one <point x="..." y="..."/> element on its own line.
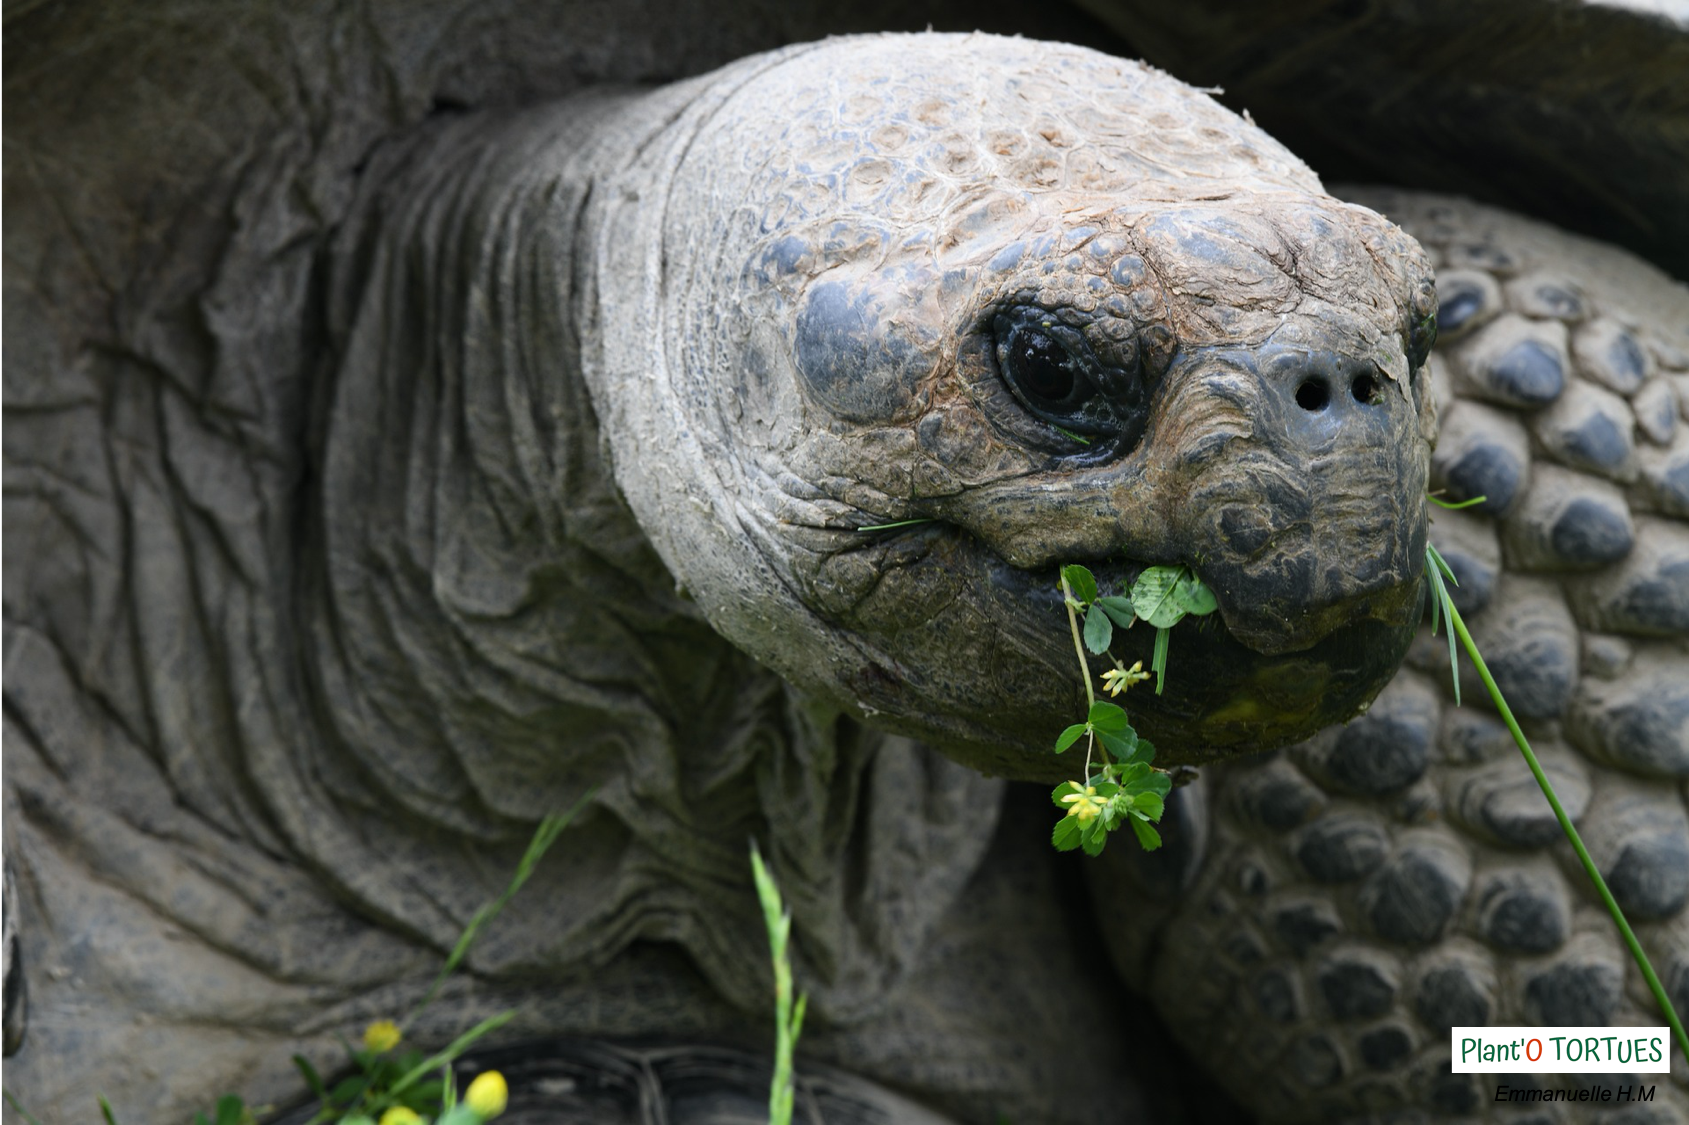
<point x="477" y="582"/>
<point x="487" y="633"/>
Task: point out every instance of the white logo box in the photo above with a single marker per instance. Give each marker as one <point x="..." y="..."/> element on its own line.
<point x="1560" y="1050"/>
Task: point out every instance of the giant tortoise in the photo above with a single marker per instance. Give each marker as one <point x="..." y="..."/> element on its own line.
<point x="420" y="415"/>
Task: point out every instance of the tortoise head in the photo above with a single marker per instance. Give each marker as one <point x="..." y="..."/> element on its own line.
<point x="1054" y="308"/>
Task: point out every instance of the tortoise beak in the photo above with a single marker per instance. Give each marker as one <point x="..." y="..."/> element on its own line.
<point x="1314" y="517"/>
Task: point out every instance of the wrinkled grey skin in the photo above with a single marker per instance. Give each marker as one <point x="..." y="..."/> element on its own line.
<point x="258" y="793"/>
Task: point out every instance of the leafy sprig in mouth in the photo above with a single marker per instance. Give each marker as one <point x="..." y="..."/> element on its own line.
<point x="1124" y="787"/>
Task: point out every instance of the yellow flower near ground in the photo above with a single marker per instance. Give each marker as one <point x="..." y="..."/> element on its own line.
<point x="382" y="1035"/>
<point x="487" y="1095"/>
<point x="401" y="1115"/>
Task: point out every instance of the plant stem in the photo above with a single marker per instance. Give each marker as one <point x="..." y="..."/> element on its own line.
<point x="1571" y="832"/>
<point x="1084" y="675"/>
<point x="1078" y="646"/>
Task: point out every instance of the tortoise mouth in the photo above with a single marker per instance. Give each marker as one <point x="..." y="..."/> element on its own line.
<point x="974" y="654"/>
<point x="1222" y="697"/>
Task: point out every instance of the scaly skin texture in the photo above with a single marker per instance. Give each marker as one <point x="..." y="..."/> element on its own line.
<point x="1334" y="908"/>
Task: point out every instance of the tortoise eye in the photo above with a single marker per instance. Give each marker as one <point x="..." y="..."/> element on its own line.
<point x="1048" y="377"/>
<point x="1043" y="371"/>
<point x="1051" y="370"/>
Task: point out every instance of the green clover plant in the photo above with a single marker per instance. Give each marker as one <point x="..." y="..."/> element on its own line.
<point x="1121" y="784"/>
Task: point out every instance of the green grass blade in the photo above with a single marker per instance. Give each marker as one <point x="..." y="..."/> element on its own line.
<point x="1456" y="505"/>
<point x="1436" y="598"/>
<point x="1436" y="556"/>
<point x="1158" y="663"/>
<point x="798" y="1010"/>
<point x="1571" y="832"/>
<point x="788" y="1018"/>
<point x="899" y="523"/>
<point x="1434" y="565"/>
<point x="312" y="1078"/>
<point x="17" y="1106"/>
<point x="544" y="836"/>
<point x="452" y="1050"/>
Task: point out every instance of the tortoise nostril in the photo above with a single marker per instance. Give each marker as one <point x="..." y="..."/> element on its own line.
<point x="1365" y="389"/>
<point x="1312" y="396"/>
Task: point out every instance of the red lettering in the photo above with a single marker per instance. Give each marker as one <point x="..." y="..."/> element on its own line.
<point x="1538" y="1055"/>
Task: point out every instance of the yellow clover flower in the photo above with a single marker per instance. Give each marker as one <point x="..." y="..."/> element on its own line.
<point x="1084" y="805"/>
<point x="1117" y="679"/>
<point x="381" y="1036"/>
<point x="487" y="1095"/>
<point x="401" y="1115"/>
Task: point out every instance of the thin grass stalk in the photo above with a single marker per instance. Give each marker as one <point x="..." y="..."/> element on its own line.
<point x="16" y="1105"/>
<point x="788" y="1016"/>
<point x="544" y="836"/>
<point x="446" y="1056"/>
<point x="1566" y="826"/>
